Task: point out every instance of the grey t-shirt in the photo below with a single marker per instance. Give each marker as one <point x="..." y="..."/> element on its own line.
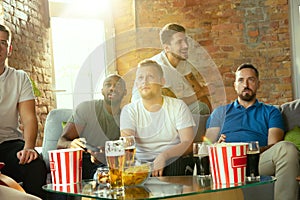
<point x="98" y="124"/>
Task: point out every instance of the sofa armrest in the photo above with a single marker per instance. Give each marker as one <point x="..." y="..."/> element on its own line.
<point x="291" y="114"/>
<point x="53" y="130"/>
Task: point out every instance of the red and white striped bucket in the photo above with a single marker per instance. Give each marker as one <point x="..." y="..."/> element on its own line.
<point x="65" y="166"/>
<point x="228" y="163"/>
<point x="71" y="188"/>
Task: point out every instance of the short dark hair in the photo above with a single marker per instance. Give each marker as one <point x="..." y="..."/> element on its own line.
<point x="5" y="29"/>
<point x="168" y="31"/>
<point x="152" y="63"/>
<point x="249" y="66"/>
<point x="122" y="81"/>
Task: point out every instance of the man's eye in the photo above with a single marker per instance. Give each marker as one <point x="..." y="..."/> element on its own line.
<point x="119" y="85"/>
<point x="3" y="43"/>
<point x="252" y="79"/>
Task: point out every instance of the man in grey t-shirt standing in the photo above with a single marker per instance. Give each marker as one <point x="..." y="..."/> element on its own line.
<point x="97" y="121"/>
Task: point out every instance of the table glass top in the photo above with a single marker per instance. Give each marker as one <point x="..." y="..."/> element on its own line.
<point x="154" y="187"/>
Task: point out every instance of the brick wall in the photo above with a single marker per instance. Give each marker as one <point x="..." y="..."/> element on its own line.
<point x="29" y="22"/>
<point x="232" y="32"/>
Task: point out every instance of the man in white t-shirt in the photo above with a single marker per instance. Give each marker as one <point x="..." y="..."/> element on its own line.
<point x="180" y="81"/>
<point x="162" y="126"/>
<point x="17" y="101"/>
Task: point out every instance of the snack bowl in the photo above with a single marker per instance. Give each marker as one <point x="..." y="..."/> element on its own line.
<point x="137" y="173"/>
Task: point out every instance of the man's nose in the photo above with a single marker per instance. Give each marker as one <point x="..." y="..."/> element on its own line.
<point x="144" y="80"/>
<point x="185" y="44"/>
<point x="112" y="87"/>
<point x="246" y="83"/>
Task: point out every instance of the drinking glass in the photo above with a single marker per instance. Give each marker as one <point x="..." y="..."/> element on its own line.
<point x="200" y="150"/>
<point x="252" y="172"/>
<point x="115" y="157"/>
<point x="129" y="146"/>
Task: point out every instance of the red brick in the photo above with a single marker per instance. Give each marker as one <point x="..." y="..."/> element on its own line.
<point x="227" y="48"/>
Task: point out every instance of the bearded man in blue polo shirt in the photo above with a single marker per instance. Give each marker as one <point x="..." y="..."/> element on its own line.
<point x="247" y="119"/>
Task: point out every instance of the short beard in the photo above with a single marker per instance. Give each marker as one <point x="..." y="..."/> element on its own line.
<point x="147" y="96"/>
<point x="178" y="56"/>
<point x="247" y="97"/>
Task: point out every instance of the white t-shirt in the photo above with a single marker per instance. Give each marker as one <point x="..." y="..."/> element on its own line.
<point x="175" y="79"/>
<point x="156" y="131"/>
<point x="15" y="87"/>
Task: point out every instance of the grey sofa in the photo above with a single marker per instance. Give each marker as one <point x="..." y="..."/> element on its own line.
<point x="291" y="114"/>
<point x="53" y="130"/>
<point x="53" y="126"/>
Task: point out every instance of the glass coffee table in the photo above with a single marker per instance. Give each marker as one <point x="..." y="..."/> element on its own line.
<point x="171" y="187"/>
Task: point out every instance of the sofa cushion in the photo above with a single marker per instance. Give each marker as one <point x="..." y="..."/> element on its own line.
<point x="293" y="136"/>
<point x="291" y="114"/>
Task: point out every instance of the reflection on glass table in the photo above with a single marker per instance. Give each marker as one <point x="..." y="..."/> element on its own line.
<point x="154" y="188"/>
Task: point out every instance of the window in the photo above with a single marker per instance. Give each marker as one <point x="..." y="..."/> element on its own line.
<point x="78" y="38"/>
<point x="73" y="41"/>
<point x="295" y="44"/>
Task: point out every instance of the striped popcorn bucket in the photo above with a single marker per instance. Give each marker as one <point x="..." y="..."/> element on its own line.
<point x="65" y="166"/>
<point x="228" y="163"/>
<point x="70" y="188"/>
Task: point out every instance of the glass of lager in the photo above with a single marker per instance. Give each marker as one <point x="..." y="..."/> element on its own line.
<point x="115" y="157"/>
<point x="129" y="146"/>
<point x="252" y="161"/>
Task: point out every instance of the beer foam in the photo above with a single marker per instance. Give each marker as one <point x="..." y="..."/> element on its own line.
<point x="116" y="153"/>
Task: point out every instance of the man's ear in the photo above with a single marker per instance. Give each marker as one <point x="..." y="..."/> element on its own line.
<point x="10" y="48"/>
<point x="166" y="48"/>
<point x="125" y="92"/>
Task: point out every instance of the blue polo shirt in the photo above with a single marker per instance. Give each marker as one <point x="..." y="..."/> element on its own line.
<point x="243" y="125"/>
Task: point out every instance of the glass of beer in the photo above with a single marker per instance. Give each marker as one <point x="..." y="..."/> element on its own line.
<point x="252" y="172"/>
<point x="115" y="157"/>
<point x="129" y="146"/>
<point x="200" y="151"/>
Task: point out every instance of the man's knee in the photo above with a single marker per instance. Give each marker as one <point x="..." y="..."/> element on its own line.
<point x="287" y="150"/>
<point x="37" y="167"/>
